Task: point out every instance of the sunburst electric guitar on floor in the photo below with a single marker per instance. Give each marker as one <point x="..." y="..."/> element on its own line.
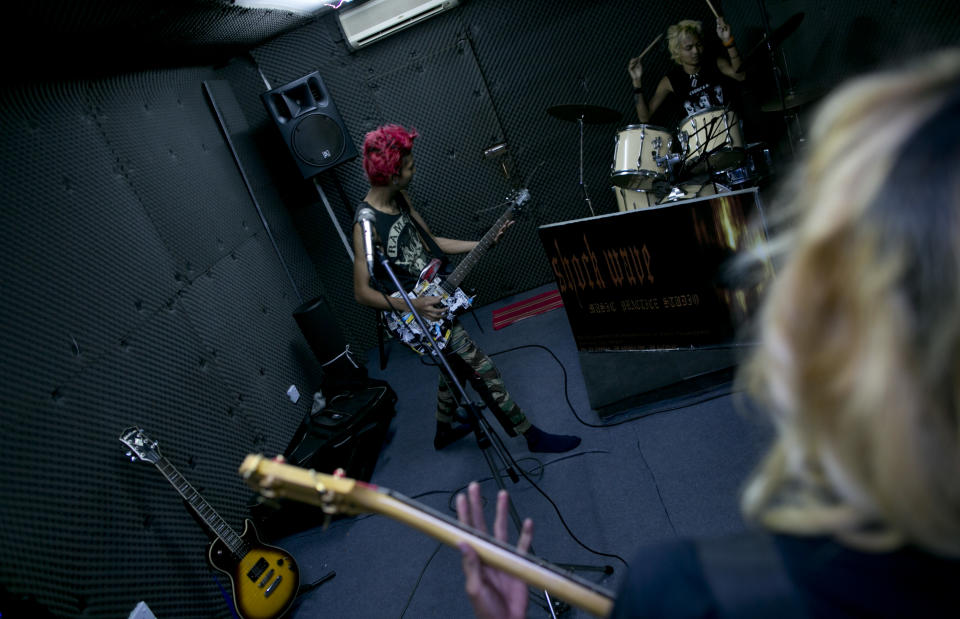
<point x="404" y="326"/>
<point x="334" y="494"/>
<point x="265" y="579"/>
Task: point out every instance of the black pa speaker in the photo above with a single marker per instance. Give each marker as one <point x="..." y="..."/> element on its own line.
<point x="310" y="124"/>
<point x="322" y="332"/>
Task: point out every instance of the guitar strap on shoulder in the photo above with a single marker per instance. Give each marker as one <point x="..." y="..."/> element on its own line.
<point x="746" y="575"/>
<point x="427" y="239"/>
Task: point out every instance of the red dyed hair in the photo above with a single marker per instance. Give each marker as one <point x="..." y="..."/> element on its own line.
<point x="383" y="151"/>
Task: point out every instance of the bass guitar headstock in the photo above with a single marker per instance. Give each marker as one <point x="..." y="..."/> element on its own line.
<point x="275" y="479"/>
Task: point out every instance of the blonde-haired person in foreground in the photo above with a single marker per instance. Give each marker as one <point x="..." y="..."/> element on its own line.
<point x="858" y="360"/>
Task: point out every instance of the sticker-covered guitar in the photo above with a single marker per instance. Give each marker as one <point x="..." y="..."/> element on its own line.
<point x="404" y="326"/>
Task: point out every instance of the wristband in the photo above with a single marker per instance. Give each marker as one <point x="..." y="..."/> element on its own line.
<point x="728" y="43"/>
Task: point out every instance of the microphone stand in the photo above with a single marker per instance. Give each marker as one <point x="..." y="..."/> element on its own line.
<point x="486" y="437"/>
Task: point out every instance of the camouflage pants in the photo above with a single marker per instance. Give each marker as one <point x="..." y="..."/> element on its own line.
<point x="480" y="368"/>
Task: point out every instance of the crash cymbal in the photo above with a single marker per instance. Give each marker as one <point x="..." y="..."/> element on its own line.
<point x="591" y="114"/>
<point x="776" y="38"/>
<point x="792" y="100"/>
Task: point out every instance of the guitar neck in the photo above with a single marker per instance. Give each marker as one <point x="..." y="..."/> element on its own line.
<point x="275" y="479"/>
<point x="451" y="283"/>
<point x="210" y="517"/>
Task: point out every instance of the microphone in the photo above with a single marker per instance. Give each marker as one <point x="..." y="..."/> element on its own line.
<point x="366" y="217"/>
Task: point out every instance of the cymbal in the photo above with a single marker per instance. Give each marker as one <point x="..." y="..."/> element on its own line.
<point x="792" y="100"/>
<point x="776" y="37"/>
<point x="591" y="114"/>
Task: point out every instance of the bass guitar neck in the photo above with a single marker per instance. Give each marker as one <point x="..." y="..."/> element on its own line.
<point x="335" y="494"/>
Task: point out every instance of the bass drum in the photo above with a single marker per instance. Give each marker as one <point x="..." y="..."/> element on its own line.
<point x="633" y="199"/>
<point x="712" y="139"/>
<point x="636" y="151"/>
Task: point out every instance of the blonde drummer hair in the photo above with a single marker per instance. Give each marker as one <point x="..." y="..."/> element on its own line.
<point x="858" y="354"/>
<point x="688" y="26"/>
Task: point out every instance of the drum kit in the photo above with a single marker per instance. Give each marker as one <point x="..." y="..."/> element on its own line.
<point x="653" y="165"/>
<point x="706" y="154"/>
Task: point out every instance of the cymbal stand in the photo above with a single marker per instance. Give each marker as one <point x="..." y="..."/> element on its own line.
<point x="777" y="77"/>
<point x="583" y="184"/>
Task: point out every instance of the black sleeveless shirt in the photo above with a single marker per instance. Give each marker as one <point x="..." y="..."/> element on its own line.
<point x="708" y="88"/>
<point x="408" y="248"/>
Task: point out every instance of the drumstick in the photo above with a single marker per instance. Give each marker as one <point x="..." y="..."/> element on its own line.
<point x="715" y="14"/>
<point x="649" y="47"/>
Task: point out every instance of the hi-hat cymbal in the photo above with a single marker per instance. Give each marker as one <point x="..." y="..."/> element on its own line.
<point x="792" y="100"/>
<point x="591" y="114"/>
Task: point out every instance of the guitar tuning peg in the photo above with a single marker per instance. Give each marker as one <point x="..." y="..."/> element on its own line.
<point x="130" y="455"/>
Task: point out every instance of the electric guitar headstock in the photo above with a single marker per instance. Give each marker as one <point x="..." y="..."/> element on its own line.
<point x="274" y="479"/>
<point x="141" y="446"/>
<point x="519" y="197"/>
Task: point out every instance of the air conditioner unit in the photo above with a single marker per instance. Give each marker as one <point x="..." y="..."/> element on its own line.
<point x="373" y="20"/>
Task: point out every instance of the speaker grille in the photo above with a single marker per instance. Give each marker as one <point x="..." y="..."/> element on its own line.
<point x="318" y="140"/>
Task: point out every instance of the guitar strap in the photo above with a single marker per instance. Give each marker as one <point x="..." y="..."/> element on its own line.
<point x="427" y="239"/>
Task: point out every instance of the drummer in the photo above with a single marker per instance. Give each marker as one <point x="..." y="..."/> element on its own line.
<point x="699" y="81"/>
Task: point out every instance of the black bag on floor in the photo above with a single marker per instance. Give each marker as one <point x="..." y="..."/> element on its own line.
<point x="349" y="434"/>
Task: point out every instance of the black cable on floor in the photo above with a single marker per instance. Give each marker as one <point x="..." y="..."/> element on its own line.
<point x="420" y="578"/>
<point x="566" y="394"/>
<point x="657" y="486"/>
<point x="565" y="526"/>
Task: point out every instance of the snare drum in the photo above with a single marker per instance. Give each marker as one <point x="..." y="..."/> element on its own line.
<point x="633" y="199"/>
<point x="714" y="130"/>
<point x="636" y="151"/>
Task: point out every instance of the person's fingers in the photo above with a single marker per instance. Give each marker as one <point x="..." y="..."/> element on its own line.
<point x="476" y="507"/>
<point x="471" y="569"/>
<point x="500" y="522"/>
<point x="463" y="512"/>
<point x="526" y="536"/>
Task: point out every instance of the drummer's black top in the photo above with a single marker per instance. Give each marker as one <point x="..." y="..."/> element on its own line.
<point x="708" y="88"/>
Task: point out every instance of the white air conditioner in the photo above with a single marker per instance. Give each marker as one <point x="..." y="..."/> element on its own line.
<point x="373" y="20"/>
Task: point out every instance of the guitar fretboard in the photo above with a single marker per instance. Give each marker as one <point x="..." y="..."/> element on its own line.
<point x="210" y="517"/>
<point x="451" y="283"/>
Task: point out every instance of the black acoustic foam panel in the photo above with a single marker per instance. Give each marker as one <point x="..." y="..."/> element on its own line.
<point x="142" y="290"/>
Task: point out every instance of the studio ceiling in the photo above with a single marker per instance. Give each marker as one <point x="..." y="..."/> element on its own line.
<point x="59" y="37"/>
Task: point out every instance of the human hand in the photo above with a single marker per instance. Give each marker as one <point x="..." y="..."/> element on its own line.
<point x="636" y="71"/>
<point x="493" y="594"/>
<point x="500" y="232"/>
<point x="723" y="31"/>
<point x="429" y="307"/>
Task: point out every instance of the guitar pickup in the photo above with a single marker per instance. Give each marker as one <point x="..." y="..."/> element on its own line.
<point x="265" y="579"/>
<point x="258" y="569"/>
<point x="273" y="586"/>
